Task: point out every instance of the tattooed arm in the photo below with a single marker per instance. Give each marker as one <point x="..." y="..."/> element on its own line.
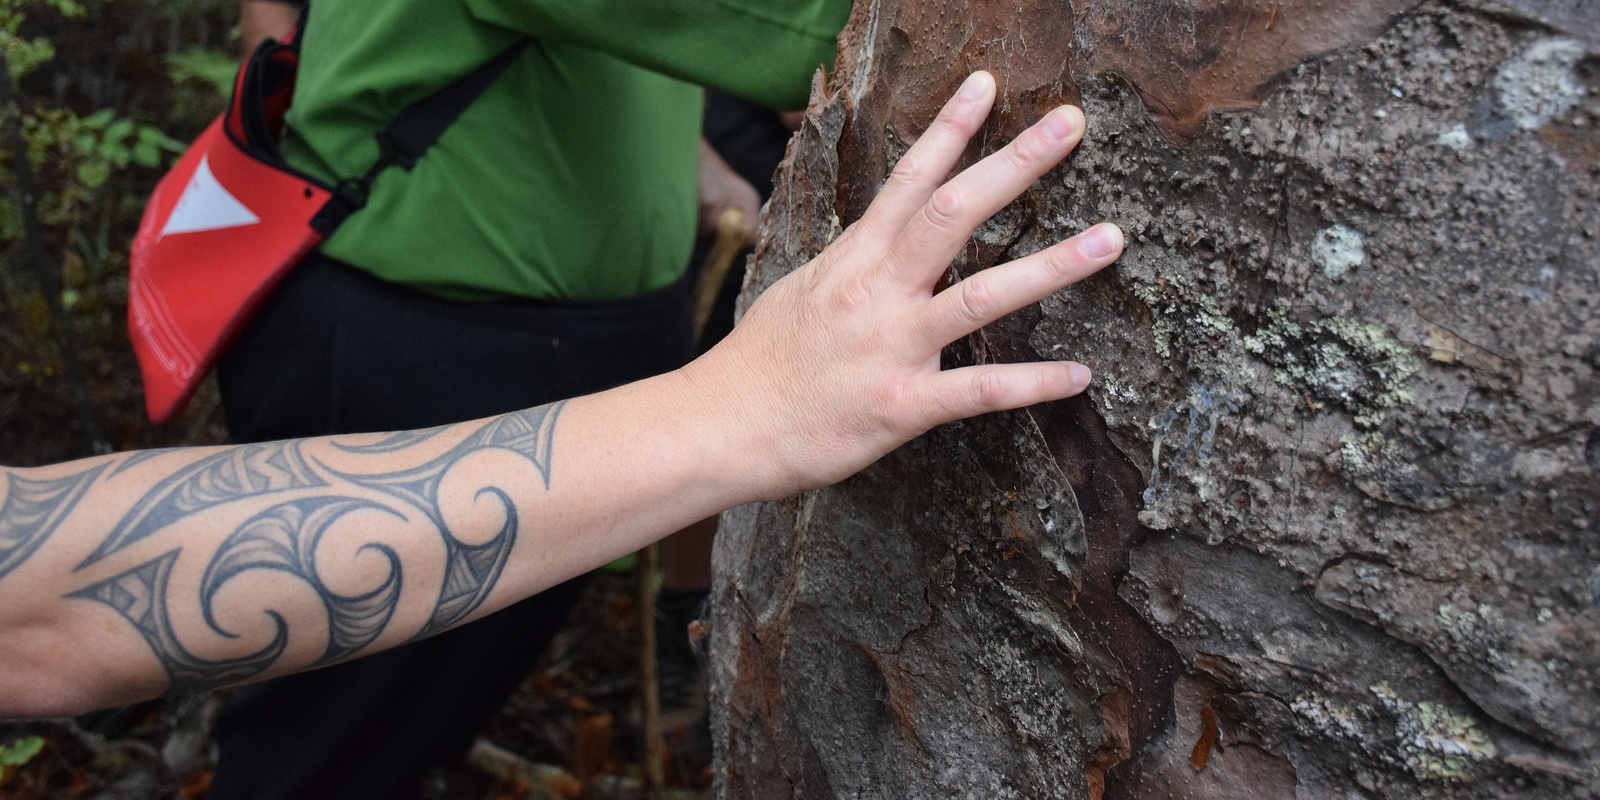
<point x="125" y="576"/>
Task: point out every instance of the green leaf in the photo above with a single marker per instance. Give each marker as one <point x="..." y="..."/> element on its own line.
<point x="20" y="751"/>
<point x="172" y="145"/>
<point x="68" y="8"/>
<point x="158" y="138"/>
<point x="10" y="225"/>
<point x="100" y="119"/>
<point x="119" y="130"/>
<point x="214" y="68"/>
<point x="25" y="54"/>
<point x="147" y="154"/>
<point x="93" y="173"/>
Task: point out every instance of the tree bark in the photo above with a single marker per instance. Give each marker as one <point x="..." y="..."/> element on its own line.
<point x="1328" y="522"/>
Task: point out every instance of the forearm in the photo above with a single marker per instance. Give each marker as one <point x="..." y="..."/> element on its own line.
<point x="125" y="576"/>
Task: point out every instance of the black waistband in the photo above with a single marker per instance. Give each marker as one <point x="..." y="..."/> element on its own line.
<point x="668" y="301"/>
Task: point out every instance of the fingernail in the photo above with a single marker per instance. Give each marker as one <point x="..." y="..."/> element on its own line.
<point x="1058" y="124"/>
<point x="975" y="86"/>
<point x="1101" y="241"/>
<point x="1080" y="375"/>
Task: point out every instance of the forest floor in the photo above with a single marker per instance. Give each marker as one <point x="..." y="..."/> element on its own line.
<point x="578" y="711"/>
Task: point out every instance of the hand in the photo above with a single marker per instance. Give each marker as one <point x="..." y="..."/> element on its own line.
<point x="844" y="352"/>
<point x="720" y="189"/>
<point x="265" y="19"/>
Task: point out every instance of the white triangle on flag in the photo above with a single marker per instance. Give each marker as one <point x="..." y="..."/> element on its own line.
<point x="206" y="206"/>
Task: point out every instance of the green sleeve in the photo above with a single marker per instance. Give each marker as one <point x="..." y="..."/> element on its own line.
<point x="765" y="50"/>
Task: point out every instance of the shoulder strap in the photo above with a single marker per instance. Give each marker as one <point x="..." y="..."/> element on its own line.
<point x="412" y="132"/>
<point x="415" y="129"/>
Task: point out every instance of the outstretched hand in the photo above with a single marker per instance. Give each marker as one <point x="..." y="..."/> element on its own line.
<point x="843" y="353"/>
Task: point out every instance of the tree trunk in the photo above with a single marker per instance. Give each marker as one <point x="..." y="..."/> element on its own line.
<point x="1328" y="522"/>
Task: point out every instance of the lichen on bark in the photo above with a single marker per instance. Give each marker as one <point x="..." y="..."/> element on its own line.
<point x="1326" y="524"/>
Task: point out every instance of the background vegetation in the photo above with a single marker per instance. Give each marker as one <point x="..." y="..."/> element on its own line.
<point x="101" y="96"/>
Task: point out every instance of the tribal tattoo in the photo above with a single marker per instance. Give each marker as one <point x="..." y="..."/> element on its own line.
<point x="390" y="442"/>
<point x="139" y="457"/>
<point x="140" y="595"/>
<point x="285" y="538"/>
<point x="237" y="473"/>
<point x="33" y="509"/>
<point x="471" y="570"/>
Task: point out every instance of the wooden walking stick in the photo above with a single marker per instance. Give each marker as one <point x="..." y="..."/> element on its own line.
<point x="725" y="248"/>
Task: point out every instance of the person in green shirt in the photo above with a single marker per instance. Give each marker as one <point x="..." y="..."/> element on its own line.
<point x="536" y="252"/>
<point x="573" y="177"/>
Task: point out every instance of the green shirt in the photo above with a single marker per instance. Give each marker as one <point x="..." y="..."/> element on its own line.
<point x="574" y="176"/>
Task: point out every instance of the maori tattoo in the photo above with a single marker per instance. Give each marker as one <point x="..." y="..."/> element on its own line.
<point x="138" y="457"/>
<point x="140" y="596"/>
<point x="393" y="441"/>
<point x="33" y="509"/>
<point x="285" y="537"/>
<point x="471" y="570"/>
<point x="233" y="474"/>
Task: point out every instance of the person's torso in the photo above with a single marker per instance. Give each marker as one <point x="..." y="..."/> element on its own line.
<point x="572" y="177"/>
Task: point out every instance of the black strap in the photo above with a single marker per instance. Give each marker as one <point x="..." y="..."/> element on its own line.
<point x="412" y="132"/>
<point x="415" y="129"/>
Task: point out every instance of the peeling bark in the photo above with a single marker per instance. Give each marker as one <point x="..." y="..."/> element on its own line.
<point x="1325" y="525"/>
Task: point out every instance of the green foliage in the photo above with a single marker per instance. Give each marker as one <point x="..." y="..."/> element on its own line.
<point x="18" y="753"/>
<point x="209" y="66"/>
<point x="92" y="115"/>
<point x="72" y="157"/>
<point x="26" y="54"/>
<point x="97" y="144"/>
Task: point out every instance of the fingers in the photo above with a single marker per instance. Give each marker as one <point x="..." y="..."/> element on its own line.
<point x="920" y="171"/>
<point x="994" y="293"/>
<point x="970" y="391"/>
<point x="944" y="223"/>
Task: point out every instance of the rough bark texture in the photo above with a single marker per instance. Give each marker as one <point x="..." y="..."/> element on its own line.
<point x="1328" y="523"/>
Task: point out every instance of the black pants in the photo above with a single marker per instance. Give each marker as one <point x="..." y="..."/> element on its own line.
<point x="337" y="351"/>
